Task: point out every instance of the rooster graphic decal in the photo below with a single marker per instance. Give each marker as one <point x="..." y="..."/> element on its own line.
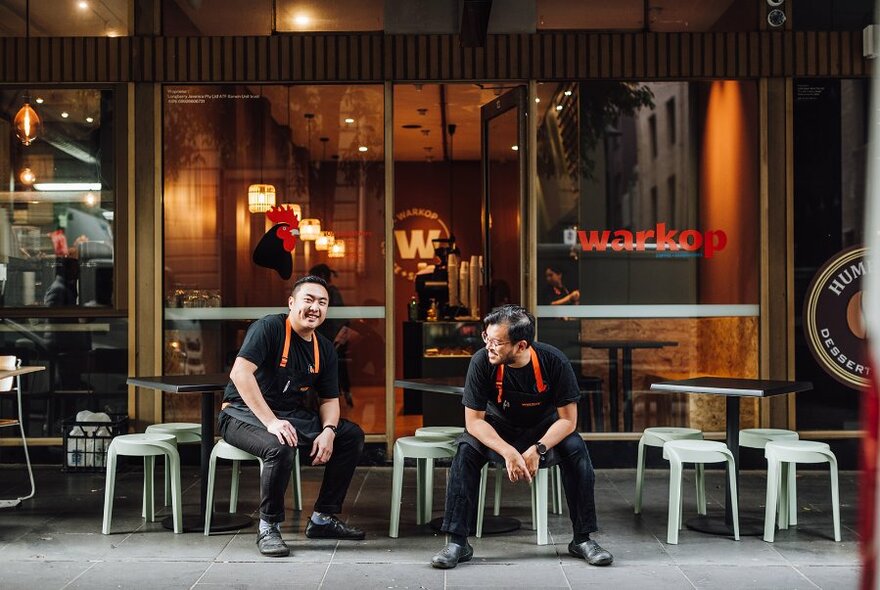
<point x="273" y="250"/>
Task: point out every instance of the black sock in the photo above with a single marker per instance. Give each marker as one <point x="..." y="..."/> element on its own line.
<point x="458" y="539"/>
<point x="581" y="537"/>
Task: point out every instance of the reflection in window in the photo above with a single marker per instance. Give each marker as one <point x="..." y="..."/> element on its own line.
<point x="55" y="18"/>
<point x="654" y="15"/>
<point x="57" y="217"/>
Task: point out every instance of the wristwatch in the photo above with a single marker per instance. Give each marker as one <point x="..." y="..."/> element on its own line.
<point x="542" y="449"/>
<point x="331" y="427"/>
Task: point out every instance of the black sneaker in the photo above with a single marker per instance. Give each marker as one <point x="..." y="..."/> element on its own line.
<point x="334" y="529"/>
<point x="451" y="555"/>
<point x="591" y="551"/>
<point x="271" y="544"/>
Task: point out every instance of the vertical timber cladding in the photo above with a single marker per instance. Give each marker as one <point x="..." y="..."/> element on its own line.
<point x="376" y="57"/>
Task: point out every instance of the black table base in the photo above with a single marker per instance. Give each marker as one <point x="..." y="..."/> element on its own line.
<point x="749" y="526"/>
<point x="220" y="522"/>
<point x="492" y="525"/>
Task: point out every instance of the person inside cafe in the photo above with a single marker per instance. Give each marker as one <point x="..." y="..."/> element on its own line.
<point x="281" y="359"/>
<point x="332" y="328"/>
<point x="520" y="400"/>
<point x="555" y="291"/>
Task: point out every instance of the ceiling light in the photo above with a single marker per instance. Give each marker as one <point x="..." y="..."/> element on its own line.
<point x="309" y="229"/>
<point x="38" y="100"/>
<point x="324" y="241"/>
<point x="302" y="20"/>
<point x="67" y="186"/>
<point x="559" y="107"/>
<point x="363" y="148"/>
<point x="261" y="197"/>
<point x="65" y="114"/>
<point x="537" y="99"/>
<point x="26" y="176"/>
<point x="27" y="124"/>
<point x="567" y="93"/>
<point x="90" y="199"/>
<point x="337" y="250"/>
<point x="515" y="148"/>
<point x="112" y="33"/>
<point x="90" y="120"/>
<point x="349" y="120"/>
<point x="82" y="4"/>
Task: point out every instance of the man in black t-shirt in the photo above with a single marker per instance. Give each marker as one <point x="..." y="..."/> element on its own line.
<point x="520" y="400"/>
<point x="281" y="359"/>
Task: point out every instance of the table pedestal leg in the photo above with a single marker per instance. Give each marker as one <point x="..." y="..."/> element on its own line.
<point x="612" y="389"/>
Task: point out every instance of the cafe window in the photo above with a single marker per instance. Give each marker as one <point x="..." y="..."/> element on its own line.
<point x="651" y="15"/>
<point x="65" y="18"/>
<point x="58" y="238"/>
<point x="316" y="152"/>
<point x="660" y="245"/>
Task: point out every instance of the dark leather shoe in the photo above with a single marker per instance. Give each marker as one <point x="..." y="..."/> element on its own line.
<point x="451" y="555"/>
<point x="334" y="529"/>
<point x="591" y="551"/>
<point x="271" y="544"/>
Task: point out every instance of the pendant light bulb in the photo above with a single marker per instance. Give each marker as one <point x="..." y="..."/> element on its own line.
<point x="27" y="124"/>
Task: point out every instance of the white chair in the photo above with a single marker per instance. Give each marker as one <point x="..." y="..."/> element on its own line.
<point x="424" y="451"/>
<point x="797" y="451"/>
<point x="224" y="450"/>
<point x="539" y="495"/>
<point x="757" y="438"/>
<point x="184" y="433"/>
<point x="678" y="452"/>
<point x="148" y="446"/>
<point x="657" y="437"/>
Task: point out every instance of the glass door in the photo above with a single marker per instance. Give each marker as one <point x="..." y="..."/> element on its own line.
<point x="504" y="161"/>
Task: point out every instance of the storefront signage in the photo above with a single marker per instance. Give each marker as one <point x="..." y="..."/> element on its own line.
<point x="833" y="323"/>
<point x="414" y="228"/>
<point x="689" y="242"/>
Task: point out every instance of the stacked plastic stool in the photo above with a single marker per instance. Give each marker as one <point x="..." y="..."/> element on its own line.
<point x="184" y="433"/>
<point x="424" y="450"/>
<point x="757" y="438"/>
<point x="657" y="437"/>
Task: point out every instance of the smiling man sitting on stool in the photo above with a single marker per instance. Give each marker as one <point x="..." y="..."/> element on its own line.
<point x="520" y="401"/>
<point x="281" y="359"/>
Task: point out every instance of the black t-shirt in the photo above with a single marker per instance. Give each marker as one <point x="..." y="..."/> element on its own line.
<point x="480" y="393"/>
<point x="263" y="345"/>
<point x="551" y="294"/>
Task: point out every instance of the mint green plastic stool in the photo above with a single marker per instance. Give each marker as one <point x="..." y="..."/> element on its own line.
<point x="424" y="451"/>
<point x="148" y="446"/>
<point x="657" y="437"/>
<point x="184" y="433"/>
<point x="757" y="438"/>
<point x="678" y="452"/>
<point x="797" y="451"/>
<point x="224" y="450"/>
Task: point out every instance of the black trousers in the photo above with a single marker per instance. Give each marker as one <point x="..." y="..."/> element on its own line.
<point x="578" y="479"/>
<point x="278" y="463"/>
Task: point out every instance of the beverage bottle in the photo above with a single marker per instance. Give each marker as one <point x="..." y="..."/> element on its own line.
<point x="413" y="309"/>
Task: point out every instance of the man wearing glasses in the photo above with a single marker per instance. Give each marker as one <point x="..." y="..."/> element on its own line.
<point x="520" y="401"/>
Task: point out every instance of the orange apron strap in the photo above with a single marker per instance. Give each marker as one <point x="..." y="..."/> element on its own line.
<point x="539" y="378"/>
<point x="317" y="352"/>
<point x="286" y="350"/>
<point x="499" y="382"/>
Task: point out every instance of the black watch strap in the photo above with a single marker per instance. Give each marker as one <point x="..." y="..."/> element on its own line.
<point x="331" y="427"/>
<point x="542" y="449"/>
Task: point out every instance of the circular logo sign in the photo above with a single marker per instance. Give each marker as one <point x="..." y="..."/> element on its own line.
<point x="833" y="322"/>
<point x="414" y="230"/>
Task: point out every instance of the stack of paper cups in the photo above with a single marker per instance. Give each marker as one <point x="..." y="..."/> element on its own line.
<point x="475" y="286"/>
<point x="464" y="284"/>
<point x="452" y="266"/>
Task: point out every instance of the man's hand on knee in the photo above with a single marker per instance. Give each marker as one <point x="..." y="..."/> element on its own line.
<point x="284" y="431"/>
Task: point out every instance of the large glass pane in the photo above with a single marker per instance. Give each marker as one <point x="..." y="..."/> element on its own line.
<point x="69" y="18"/>
<point x="321" y="148"/>
<point x="345" y="15"/>
<point x="216" y="17"/>
<point x="647" y="244"/>
<point x="57" y="214"/>
<point x="654" y="15"/>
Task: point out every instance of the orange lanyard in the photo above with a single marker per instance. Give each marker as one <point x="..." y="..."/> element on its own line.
<point x="287" y="330"/>
<point x="536" y="367"/>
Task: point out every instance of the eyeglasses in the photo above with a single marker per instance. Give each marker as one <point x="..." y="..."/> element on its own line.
<point x="491" y="342"/>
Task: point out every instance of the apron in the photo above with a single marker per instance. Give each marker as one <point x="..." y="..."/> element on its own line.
<point x="288" y="381"/>
<point x="519" y="417"/>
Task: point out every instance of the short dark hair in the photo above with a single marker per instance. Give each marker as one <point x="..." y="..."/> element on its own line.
<point x="520" y="323"/>
<point x="308" y="279"/>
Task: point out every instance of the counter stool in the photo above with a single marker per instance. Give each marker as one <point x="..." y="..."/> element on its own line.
<point x="695" y="451"/>
<point x="757" y="438"/>
<point x="184" y="433"/>
<point x="791" y="452"/>
<point x="147" y="446"/>
<point x="657" y="437"/>
<point x="224" y="450"/>
<point x="424" y="451"/>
